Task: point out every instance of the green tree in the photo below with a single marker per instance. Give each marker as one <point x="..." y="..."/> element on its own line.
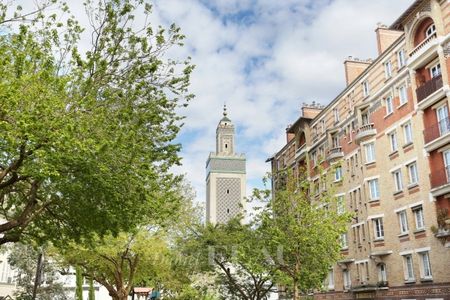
<point x="87" y="136"/>
<point x="24" y="259"/>
<point x="78" y="284"/>
<point x="302" y="232"/>
<point x="235" y="254"/>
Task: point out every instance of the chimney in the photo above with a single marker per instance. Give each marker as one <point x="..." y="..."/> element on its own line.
<point x="289" y="135"/>
<point x="310" y="111"/>
<point x="354" y="67"/>
<point x="385" y="37"/>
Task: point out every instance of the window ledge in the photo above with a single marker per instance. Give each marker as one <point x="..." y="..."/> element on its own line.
<point x="403" y="234"/>
<point x="369" y="163"/>
<point x="402" y="104"/>
<point x="374" y="200"/>
<point x="379" y="239"/>
<point x="409" y="281"/>
<point x="398" y="192"/>
<point x="407" y="145"/>
<point x="413" y="185"/>
<point x="419" y="230"/>
<point x="389" y="114"/>
<point x="344" y="248"/>
<point x="427" y="279"/>
<point x="393" y="153"/>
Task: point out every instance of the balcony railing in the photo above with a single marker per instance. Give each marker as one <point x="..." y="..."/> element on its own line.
<point x="422" y="44"/>
<point x="429" y="87"/>
<point x="440" y="177"/>
<point x="335" y="153"/>
<point x="437" y="130"/>
<point x="366" y="127"/>
<point x="365" y="131"/>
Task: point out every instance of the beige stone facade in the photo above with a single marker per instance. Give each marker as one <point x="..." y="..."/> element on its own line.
<point x="386" y="139"/>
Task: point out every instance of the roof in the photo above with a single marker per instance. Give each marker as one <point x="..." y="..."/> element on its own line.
<point x="225" y="119"/>
<point x="398" y="24"/>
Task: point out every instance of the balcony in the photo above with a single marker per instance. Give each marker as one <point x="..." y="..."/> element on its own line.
<point x="440" y="181"/>
<point x="364" y="132"/>
<point x="437" y="135"/>
<point x="301" y="151"/>
<point x="422" y="52"/>
<point x="335" y="153"/>
<point x="429" y="88"/>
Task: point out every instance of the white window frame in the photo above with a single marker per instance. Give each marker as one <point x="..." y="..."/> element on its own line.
<point x="393" y="141"/>
<point x="388" y="69"/>
<point x="378" y="228"/>
<point x="374" y="189"/>
<point x="401" y="58"/>
<point x="340" y="203"/>
<point x="407" y="133"/>
<point x="402" y="95"/>
<point x="370" y="152"/>
<point x="382" y="273"/>
<point x="347" y="279"/>
<point x="331" y="279"/>
<point x="435" y="70"/>
<point x="398" y="180"/>
<point x="344" y="240"/>
<point x="403" y="222"/>
<point x="430" y="30"/>
<point x="413" y="173"/>
<point x="408" y="267"/>
<point x="389" y="105"/>
<point x="366" y="88"/>
<point x="336" y="114"/>
<point x="425" y="265"/>
<point x="338" y="173"/>
<point x="418" y="217"/>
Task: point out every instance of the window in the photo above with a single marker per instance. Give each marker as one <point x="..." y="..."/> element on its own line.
<point x="374" y="190"/>
<point x="366" y="89"/>
<point x="418" y="216"/>
<point x="408" y="267"/>
<point x="340" y="205"/>
<point x="412" y="172"/>
<point x="435" y="70"/>
<point x="446" y="156"/>
<point x="338" y="174"/>
<point x="443" y="119"/>
<point x="365" y="117"/>
<point x="388" y="69"/>
<point x="398" y="180"/>
<point x="335" y="141"/>
<point x="314" y="158"/>
<point x="430" y="30"/>
<point x="402" y="95"/>
<point x="378" y="228"/>
<point x="382" y="275"/>
<point x="336" y="115"/>
<point x="425" y="265"/>
<point x="344" y="242"/>
<point x="393" y="140"/>
<point x="331" y="280"/>
<point x="403" y="221"/>
<point x="370" y="152"/>
<point x="407" y="132"/>
<point x="401" y="58"/>
<point x="347" y="279"/>
<point x="389" y="105"/>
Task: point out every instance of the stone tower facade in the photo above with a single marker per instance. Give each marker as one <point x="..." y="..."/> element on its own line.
<point x="225" y="176"/>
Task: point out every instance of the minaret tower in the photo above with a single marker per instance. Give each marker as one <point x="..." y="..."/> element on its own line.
<point x="225" y="176"/>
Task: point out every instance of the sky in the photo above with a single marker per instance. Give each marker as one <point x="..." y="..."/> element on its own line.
<point x="264" y="58"/>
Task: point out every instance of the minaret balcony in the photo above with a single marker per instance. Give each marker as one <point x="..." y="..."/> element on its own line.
<point x="335" y="154"/>
<point x="366" y="131"/>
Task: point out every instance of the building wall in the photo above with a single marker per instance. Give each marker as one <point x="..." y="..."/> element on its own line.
<point x="345" y="119"/>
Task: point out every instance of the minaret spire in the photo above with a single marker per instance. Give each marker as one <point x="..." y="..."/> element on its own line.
<point x="225" y="113"/>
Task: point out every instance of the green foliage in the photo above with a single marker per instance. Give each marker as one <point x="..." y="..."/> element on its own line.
<point x="87" y="138"/>
<point x="23" y="259"/>
<point x="302" y="233"/>
<point x="79" y="284"/>
<point x="235" y="255"/>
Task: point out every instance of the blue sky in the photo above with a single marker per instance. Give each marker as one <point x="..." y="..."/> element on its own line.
<point x="264" y="58"/>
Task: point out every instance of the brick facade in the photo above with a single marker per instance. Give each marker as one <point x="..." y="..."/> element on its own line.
<point x="389" y="131"/>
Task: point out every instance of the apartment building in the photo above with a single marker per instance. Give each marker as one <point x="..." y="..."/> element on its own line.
<point x="386" y="140"/>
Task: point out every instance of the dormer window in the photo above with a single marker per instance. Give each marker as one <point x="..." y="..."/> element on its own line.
<point x="430" y="30"/>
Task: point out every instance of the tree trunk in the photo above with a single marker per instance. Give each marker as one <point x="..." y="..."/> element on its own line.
<point x="296" y="291"/>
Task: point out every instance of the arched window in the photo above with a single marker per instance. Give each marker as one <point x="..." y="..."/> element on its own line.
<point x="423" y="31"/>
<point x="430" y="30"/>
<point x="382" y="275"/>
